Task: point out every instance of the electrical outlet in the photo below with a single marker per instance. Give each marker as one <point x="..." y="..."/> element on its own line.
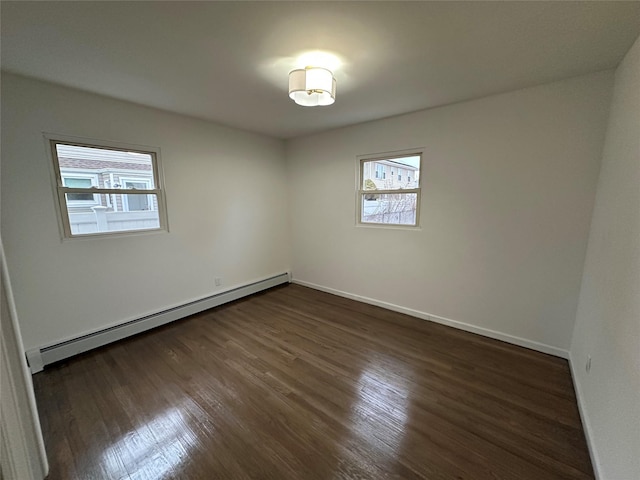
<point x="218" y="281"/>
<point x="588" y="366"/>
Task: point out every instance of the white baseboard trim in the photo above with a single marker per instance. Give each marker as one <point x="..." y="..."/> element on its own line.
<point x="522" y="342"/>
<point x="38" y="358"/>
<point x="584" y="417"/>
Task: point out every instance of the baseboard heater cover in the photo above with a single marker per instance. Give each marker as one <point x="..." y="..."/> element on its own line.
<point x="38" y="358"/>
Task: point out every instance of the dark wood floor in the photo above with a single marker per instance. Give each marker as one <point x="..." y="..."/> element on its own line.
<point x="298" y="384"/>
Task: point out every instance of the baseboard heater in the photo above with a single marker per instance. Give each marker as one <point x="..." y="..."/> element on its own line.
<point x="39" y="357"/>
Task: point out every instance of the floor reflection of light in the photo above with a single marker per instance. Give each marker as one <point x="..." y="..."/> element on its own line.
<point x="381" y="408"/>
<point x="379" y="418"/>
<point x="153" y="450"/>
<point x="386" y="398"/>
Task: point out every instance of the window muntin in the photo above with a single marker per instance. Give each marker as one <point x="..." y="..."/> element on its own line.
<point x="388" y="199"/>
<point x="103" y="189"/>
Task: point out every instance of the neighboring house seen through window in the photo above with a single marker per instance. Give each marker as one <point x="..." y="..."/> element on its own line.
<point x="389" y="201"/>
<point x="105" y="189"/>
<point x="75" y="180"/>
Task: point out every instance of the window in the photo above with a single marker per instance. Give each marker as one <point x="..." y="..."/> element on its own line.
<point x="79" y="180"/>
<point x="137" y="202"/>
<point x="107" y="189"/>
<point x="393" y="203"/>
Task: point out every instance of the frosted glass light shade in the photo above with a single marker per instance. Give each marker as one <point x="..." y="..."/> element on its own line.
<point x="312" y="86"/>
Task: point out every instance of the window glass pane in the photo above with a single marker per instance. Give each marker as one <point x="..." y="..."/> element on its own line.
<point x="394" y="209"/>
<point x="136" y="202"/>
<point x="135" y="184"/>
<point x="115" y="217"/>
<point x="81" y="197"/>
<point x="110" y="168"/>
<point x="391" y="174"/>
<point x="77" y="182"/>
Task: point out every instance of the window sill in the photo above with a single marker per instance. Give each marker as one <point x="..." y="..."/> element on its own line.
<point x="389" y="226"/>
<point x="104" y="235"/>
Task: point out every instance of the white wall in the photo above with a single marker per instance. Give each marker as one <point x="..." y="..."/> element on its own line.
<point x="509" y="183"/>
<point x="608" y="319"/>
<point x="226" y="194"/>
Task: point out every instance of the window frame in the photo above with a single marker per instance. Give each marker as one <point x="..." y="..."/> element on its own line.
<point x="361" y="192"/>
<point x="60" y="191"/>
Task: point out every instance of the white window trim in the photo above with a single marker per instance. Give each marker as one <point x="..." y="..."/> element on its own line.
<point x="59" y="190"/>
<point x="360" y="192"/>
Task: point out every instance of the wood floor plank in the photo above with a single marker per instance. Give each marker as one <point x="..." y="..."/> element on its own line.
<point x="294" y="383"/>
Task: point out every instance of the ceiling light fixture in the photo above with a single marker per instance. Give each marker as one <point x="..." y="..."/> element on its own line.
<point x="312" y="86"/>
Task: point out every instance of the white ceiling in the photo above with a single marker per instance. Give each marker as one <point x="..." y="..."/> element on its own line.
<point x="228" y="61"/>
